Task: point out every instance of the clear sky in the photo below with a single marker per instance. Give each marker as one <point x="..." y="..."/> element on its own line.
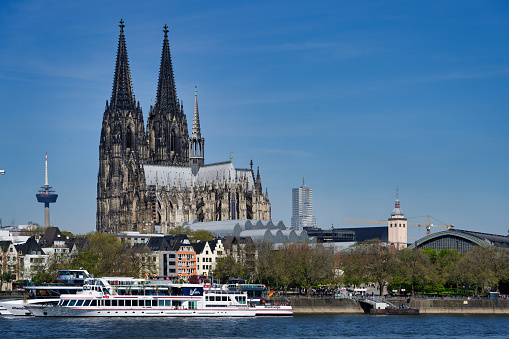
<point x="358" y="97"/>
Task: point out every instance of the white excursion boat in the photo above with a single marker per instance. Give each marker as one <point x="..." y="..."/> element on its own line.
<point x="128" y="297"/>
<point x="45" y="294"/>
<point x="263" y="307"/>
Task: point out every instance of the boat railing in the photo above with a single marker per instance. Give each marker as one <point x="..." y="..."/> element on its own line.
<point x="220" y="291"/>
<point x="42" y="285"/>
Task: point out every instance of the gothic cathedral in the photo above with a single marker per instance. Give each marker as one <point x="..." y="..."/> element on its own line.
<point x="152" y="181"/>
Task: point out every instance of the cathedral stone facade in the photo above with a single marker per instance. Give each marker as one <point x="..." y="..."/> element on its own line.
<point x="150" y="181"/>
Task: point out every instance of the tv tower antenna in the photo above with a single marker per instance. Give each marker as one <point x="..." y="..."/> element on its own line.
<point x="46" y="195"/>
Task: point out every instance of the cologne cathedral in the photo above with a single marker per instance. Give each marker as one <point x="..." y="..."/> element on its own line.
<point x="150" y="181"/>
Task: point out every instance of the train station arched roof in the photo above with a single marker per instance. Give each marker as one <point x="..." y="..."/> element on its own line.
<point x="460" y="240"/>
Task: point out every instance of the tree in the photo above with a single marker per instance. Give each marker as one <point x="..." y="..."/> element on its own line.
<point x="415" y="267"/>
<point x="194" y="236"/>
<point x="201" y="235"/>
<point x="180" y="230"/>
<point x="370" y="261"/>
<point x="6" y="277"/>
<point x="227" y="268"/>
<point x="106" y="255"/>
<point x="477" y="268"/>
<point x="264" y="267"/>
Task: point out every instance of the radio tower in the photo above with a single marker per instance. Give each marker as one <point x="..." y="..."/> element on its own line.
<point x="46" y="195"/>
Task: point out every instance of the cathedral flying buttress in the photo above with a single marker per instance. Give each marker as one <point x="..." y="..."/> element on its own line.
<point x="152" y="181"/>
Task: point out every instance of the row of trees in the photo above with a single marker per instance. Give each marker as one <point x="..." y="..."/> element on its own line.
<point x="291" y="265"/>
<point x="425" y="271"/>
<point x="106" y="255"/>
<point x="482" y="270"/>
<point x="102" y="255"/>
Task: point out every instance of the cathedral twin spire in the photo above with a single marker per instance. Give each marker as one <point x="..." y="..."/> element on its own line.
<point x="122" y="96"/>
<point x="126" y="200"/>
<point x="166" y="99"/>
<point x="167" y="134"/>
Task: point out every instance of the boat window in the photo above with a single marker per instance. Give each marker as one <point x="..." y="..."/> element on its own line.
<point x="87" y="303"/>
<point x="167" y="303"/>
<point x="114" y="303"/>
<point x="79" y="302"/>
<point x="147" y="303"/>
<point x="192" y="305"/>
<point x="206" y="298"/>
<point x="241" y="299"/>
<point x="135" y="302"/>
<point x="72" y="302"/>
<point x="225" y="298"/>
<point x="93" y="303"/>
<point x="160" y="303"/>
<point x="121" y="303"/>
<point x="128" y="303"/>
<point x="107" y="302"/>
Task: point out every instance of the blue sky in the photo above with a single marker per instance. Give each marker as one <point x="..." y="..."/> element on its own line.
<point x="358" y="97"/>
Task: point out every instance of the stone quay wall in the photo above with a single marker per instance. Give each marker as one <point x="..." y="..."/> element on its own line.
<point x="472" y="306"/>
<point x="425" y="306"/>
<point x="326" y="305"/>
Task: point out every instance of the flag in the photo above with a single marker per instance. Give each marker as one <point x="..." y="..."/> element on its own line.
<point x="271" y="293"/>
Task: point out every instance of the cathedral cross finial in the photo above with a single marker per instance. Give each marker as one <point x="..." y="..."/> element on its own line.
<point x="121" y="26"/>
<point x="165" y="30"/>
<point x="231" y="156"/>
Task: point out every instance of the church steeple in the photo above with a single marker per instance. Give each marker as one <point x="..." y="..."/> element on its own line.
<point x="167" y="130"/>
<point x="196" y="116"/>
<point x="166" y="99"/>
<point x="122" y="96"/>
<point x="122" y="149"/>
<point x="196" y="142"/>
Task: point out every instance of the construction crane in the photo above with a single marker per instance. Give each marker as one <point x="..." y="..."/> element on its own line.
<point x="428" y="225"/>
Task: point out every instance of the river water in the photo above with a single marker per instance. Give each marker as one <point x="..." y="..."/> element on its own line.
<point x="298" y="326"/>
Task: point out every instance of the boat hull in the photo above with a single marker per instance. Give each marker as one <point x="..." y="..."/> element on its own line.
<point x="274" y="311"/>
<point x="144" y="312"/>
<point x="18" y="307"/>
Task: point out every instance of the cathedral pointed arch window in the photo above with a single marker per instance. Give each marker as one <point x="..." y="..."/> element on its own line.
<point x="129" y="139"/>
<point x="172" y="141"/>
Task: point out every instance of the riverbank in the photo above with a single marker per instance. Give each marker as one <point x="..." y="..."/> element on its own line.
<point x="425" y="306"/>
<point x="317" y="305"/>
<point x="457" y="306"/>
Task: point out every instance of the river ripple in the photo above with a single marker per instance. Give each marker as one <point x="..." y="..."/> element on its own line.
<point x="299" y="326"/>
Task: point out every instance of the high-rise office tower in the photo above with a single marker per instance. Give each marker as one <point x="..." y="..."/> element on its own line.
<point x="302" y="207"/>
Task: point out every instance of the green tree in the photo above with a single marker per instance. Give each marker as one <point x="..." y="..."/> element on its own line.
<point x="477" y="268"/>
<point x="180" y="230"/>
<point x="106" y="255"/>
<point x="201" y="235"/>
<point x="371" y="261"/>
<point x="415" y="267"/>
<point x="264" y="268"/>
<point x="227" y="268"/>
<point x="6" y="277"/>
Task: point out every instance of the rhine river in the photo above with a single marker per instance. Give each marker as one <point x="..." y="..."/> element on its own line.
<point x="299" y="326"/>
